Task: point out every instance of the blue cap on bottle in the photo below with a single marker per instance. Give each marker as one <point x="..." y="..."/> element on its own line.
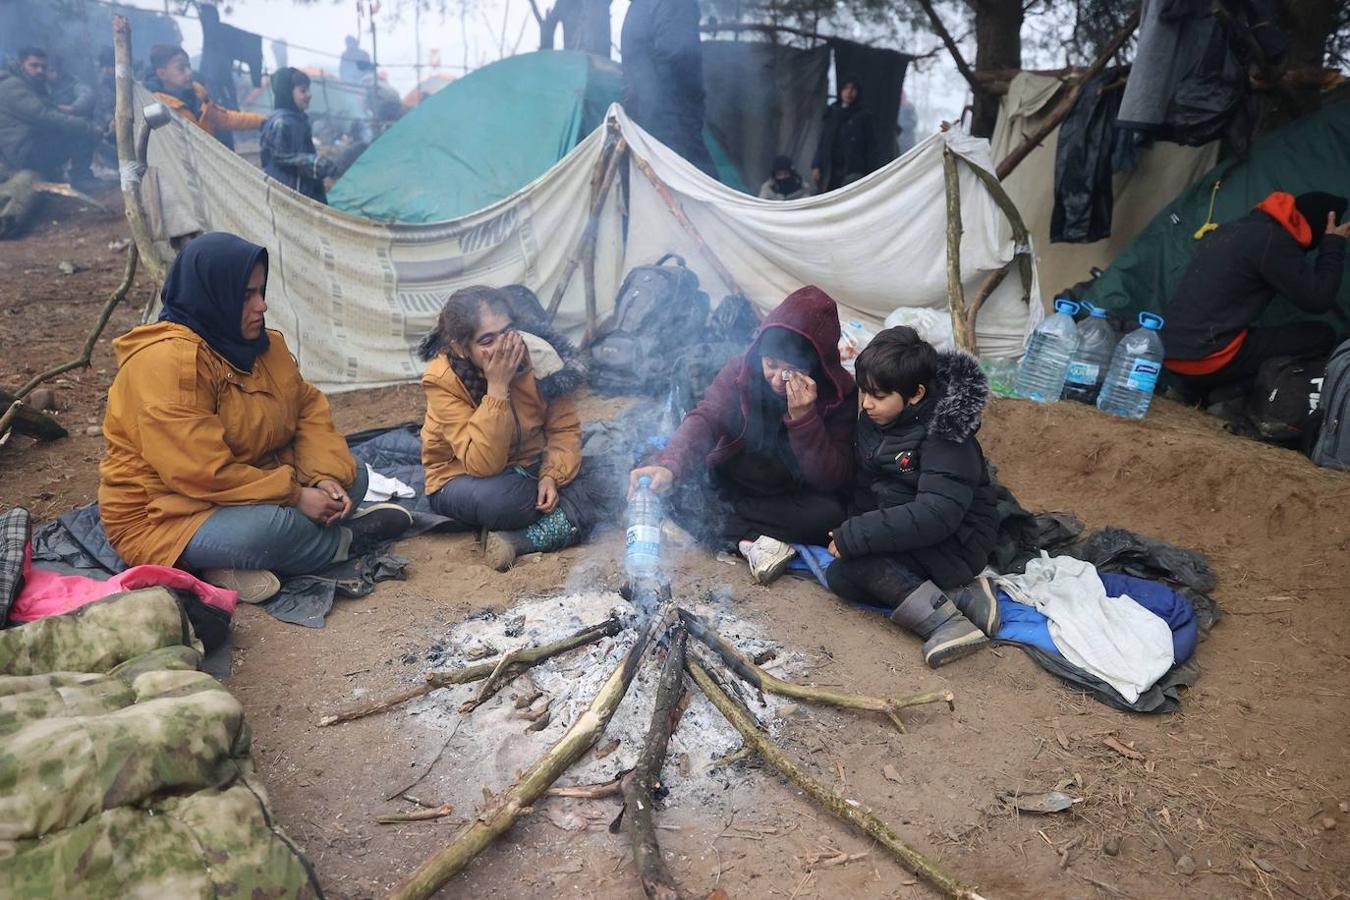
<point x="645" y="481"/>
<point x="1066" y="306"/>
<point x="1151" y="320"/>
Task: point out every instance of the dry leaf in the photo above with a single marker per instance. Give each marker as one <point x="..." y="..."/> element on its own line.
<point x="1124" y="750"/>
<point x="1041" y="804"/>
<point x="1061" y="738"/>
<point x="890" y="774"/>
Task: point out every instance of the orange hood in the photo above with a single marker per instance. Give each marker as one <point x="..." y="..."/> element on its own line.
<point x="1280" y="207"/>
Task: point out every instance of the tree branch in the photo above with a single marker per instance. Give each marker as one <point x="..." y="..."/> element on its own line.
<point x="941" y="30"/>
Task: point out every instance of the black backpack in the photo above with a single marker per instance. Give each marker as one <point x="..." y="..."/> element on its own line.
<point x="659" y="310"/>
<point x="1283" y="400"/>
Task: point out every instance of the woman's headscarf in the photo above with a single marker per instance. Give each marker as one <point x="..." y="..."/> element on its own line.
<point x="765" y="433"/>
<point x="283" y="81"/>
<point x="205" y="292"/>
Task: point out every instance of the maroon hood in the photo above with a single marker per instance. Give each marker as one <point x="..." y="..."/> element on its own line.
<point x="811" y="313"/>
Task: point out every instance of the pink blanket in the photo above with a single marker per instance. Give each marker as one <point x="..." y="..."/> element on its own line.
<point x="49" y="594"/>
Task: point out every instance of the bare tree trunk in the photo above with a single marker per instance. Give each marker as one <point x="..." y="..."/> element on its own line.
<point x="585" y="25"/>
<point x="998" y="45"/>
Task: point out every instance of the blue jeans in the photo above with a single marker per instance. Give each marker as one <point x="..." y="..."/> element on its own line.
<point x="266" y="536"/>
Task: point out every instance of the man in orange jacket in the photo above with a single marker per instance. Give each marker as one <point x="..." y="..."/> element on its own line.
<point x="173" y="84"/>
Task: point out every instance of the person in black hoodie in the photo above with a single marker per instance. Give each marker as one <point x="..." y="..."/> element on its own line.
<point x="287" y="142"/>
<point x="847" y="149"/>
<point x="923" y="519"/>
<point x="1210" y="338"/>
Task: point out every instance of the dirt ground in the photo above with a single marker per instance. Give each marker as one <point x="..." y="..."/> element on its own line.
<point x="1243" y="793"/>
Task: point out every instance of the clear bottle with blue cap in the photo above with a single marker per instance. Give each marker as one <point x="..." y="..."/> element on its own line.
<point x="1096" y="342"/>
<point x="642" y="552"/>
<point x="1045" y="365"/>
<point x="1135" y="368"/>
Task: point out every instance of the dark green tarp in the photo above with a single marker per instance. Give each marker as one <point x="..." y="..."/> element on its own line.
<point x="484" y="137"/>
<point x="1311" y="154"/>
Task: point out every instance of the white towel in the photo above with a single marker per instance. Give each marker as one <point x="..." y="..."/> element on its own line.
<point x="1115" y="639"/>
<point x="382" y="487"/>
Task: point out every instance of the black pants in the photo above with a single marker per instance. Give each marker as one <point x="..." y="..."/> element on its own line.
<point x="505" y="502"/>
<point x="1302" y="339"/>
<point x="718" y="510"/>
<point x="877" y="580"/>
<point x="53" y="149"/>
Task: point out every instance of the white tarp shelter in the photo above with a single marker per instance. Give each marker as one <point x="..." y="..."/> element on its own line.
<point x="354" y="296"/>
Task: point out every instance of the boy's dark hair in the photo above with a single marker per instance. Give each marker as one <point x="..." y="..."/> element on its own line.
<point x="460" y="316"/>
<point x="27" y="53"/>
<point x="163" y="54"/>
<point x="897" y="361"/>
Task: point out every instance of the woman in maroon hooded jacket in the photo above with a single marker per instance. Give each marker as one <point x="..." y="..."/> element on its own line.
<point x="761" y="462"/>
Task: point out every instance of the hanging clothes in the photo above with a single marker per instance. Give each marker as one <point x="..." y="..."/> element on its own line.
<point x="1084" y="192"/>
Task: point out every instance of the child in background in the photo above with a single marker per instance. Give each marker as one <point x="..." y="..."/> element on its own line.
<point x="922" y="520"/>
<point x="287" y="142"/>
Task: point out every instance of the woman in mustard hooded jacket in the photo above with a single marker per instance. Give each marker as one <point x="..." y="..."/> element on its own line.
<point x="221" y="458"/>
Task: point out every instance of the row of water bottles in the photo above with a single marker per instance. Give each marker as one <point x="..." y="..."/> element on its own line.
<point x="1083" y="361"/>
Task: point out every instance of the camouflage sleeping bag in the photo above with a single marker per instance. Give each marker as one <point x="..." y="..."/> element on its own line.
<point x="124" y="772"/>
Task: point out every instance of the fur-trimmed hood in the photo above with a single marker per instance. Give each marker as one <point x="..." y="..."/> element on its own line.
<point x="959" y="398"/>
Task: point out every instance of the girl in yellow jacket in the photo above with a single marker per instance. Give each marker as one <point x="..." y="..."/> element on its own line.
<point x="497" y="454"/>
<point x="221" y="459"/>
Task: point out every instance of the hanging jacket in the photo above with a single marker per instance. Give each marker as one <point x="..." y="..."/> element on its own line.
<point x="714" y="432"/>
<point x="25" y="107"/>
<point x="461" y="437"/>
<point x="848" y="145"/>
<point x="923" y="486"/>
<point x="187" y="433"/>
<point x="207" y="115"/>
<point x="288" y="154"/>
<point x="1238" y="269"/>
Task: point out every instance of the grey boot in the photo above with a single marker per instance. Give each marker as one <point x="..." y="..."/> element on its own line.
<point x="978" y="602"/>
<point x="552" y="532"/>
<point x="947" y="635"/>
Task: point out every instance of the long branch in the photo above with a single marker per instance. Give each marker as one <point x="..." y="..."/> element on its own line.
<point x="502" y="811"/>
<point x="657" y="882"/>
<point x="850" y="812"/>
<point x="742" y="665"/>
<point x="941" y="30"/>
<point x="466" y="674"/>
<point x="956" y="292"/>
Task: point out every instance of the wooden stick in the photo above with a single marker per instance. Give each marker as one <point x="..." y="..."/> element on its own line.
<point x="941" y="31"/>
<point x="611" y="788"/>
<point x="741" y="664"/>
<point x="673" y="203"/>
<point x="420" y="815"/>
<point x="491" y="683"/>
<point x="987" y="287"/>
<point x="507" y="807"/>
<point x="956" y="292"/>
<point x="131" y="168"/>
<point x="606" y="170"/>
<point x="1051" y="122"/>
<point x="466" y="674"/>
<point x="853" y="813"/>
<point x="657" y="882"/>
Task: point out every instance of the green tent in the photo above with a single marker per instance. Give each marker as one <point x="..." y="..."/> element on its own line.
<point x="1311" y="154"/>
<point x="486" y="136"/>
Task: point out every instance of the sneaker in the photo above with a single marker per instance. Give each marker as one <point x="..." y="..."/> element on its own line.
<point x="768" y="557"/>
<point x="978" y="602"/>
<point x="953" y="639"/>
<point x="252" y="585"/>
<point x="377" y="523"/>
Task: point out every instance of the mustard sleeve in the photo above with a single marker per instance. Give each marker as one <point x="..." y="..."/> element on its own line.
<point x="481" y="436"/>
<point x="317" y="450"/>
<point x="224" y="119"/>
<point x="562" y="450"/>
<point x="183" y="440"/>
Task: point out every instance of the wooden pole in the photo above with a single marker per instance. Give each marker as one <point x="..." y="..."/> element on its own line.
<point x="956" y="292"/>
<point x="1051" y="122"/>
<point x="131" y="169"/>
<point x="1021" y="236"/>
<point x="851" y="812"/>
<point x="606" y="170"/>
<point x="761" y="680"/>
<point x="502" y="811"/>
<point x="672" y="202"/>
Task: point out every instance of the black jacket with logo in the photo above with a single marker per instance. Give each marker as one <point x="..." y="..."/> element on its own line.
<point x="922" y="487"/>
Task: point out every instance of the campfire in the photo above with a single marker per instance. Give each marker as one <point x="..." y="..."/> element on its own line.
<point x="562" y="649"/>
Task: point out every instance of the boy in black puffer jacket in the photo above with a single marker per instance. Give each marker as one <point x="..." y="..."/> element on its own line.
<point x="922" y="520"/>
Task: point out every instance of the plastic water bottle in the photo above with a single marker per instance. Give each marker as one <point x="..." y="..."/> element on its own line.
<point x="1045" y="365"/>
<point x="1096" y="342"/>
<point x="642" y="555"/>
<point x="1135" y="367"/>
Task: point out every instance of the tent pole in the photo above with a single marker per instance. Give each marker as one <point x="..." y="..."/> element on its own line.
<point x="601" y="181"/>
<point x="956" y="295"/>
<point x="1021" y="236"/>
<point x="130" y="165"/>
<point x="678" y="212"/>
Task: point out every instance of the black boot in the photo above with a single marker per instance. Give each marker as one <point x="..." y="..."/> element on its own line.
<point x="946" y="633"/>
